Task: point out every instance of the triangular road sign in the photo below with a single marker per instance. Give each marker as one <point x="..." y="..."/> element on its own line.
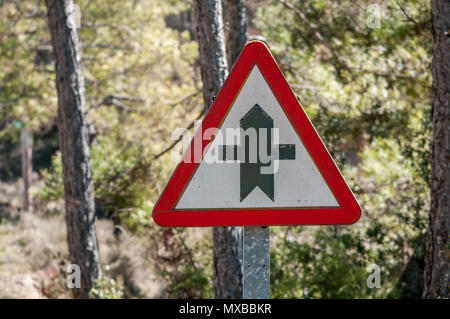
<point x="291" y="180"/>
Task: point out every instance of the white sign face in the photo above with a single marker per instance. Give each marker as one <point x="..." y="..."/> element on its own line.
<point x="297" y="182"/>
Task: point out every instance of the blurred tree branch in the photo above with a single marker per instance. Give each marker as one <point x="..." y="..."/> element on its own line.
<point x="171" y="146"/>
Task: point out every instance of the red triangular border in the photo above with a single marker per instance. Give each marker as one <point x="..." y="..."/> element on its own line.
<point x="256" y="52"/>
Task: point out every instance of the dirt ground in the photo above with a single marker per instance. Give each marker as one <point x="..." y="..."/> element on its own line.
<point x="34" y="257"/>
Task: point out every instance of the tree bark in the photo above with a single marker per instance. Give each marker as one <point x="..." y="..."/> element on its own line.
<point x="227" y="250"/>
<point x="73" y="142"/>
<point x="437" y="270"/>
<point x="235" y="16"/>
<point x="27" y="168"/>
<point x="211" y="43"/>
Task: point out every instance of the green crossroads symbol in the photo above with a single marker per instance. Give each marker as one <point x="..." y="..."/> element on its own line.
<point x="250" y="167"/>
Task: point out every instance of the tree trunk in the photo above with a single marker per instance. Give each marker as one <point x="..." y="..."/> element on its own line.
<point x="437" y="270"/>
<point x="211" y="43"/>
<point x="227" y="251"/>
<point x="235" y="16"/>
<point x="73" y="143"/>
<point x="27" y="168"/>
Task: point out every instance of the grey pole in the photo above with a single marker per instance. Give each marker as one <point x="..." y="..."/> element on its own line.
<point x="256" y="265"/>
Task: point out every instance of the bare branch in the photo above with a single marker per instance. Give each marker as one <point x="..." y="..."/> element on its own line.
<point x="116" y="100"/>
<point x="184" y="99"/>
<point x="408" y="17"/>
<point x="171" y="146"/>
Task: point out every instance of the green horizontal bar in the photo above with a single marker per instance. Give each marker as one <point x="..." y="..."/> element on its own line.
<point x="286" y="151"/>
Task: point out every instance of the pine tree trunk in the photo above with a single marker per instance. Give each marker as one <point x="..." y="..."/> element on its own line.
<point x="211" y="43"/>
<point x="27" y="168"/>
<point x="73" y="142"/>
<point x="437" y="269"/>
<point x="227" y="249"/>
<point x="235" y="17"/>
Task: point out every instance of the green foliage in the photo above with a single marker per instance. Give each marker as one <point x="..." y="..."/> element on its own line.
<point x="106" y="288"/>
<point x="189" y="283"/>
<point x="363" y="89"/>
<point x="27" y="86"/>
<point x="122" y="184"/>
<point x="333" y="265"/>
<point x="185" y="265"/>
<point x="54" y="187"/>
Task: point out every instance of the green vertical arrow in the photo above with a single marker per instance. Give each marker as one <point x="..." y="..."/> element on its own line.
<point x="251" y="172"/>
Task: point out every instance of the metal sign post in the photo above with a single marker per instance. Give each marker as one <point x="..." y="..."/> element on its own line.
<point x="256" y="263"/>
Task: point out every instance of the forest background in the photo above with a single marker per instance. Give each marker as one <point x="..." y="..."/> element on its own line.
<point x="362" y="72"/>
